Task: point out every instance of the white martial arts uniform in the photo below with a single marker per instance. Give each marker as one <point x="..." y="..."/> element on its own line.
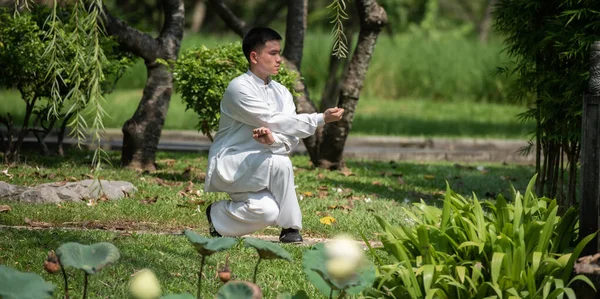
<point x="259" y="178"/>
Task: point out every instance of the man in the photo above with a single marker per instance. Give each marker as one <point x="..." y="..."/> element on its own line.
<point x="258" y="128"/>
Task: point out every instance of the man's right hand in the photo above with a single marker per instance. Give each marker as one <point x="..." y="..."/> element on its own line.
<point x="333" y="114"/>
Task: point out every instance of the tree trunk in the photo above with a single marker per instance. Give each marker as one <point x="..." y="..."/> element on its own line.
<point x="329" y="97"/>
<point x="483" y="28"/>
<point x="141" y="133"/>
<point x="199" y="15"/>
<point x="372" y="20"/>
<point x="231" y="20"/>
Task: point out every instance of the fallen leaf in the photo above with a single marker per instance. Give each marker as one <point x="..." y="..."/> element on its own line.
<point x="429" y="177"/>
<point x="327" y="220"/>
<point x="169" y="162"/>
<point x="37" y="223"/>
<point x="4" y="208"/>
<point x="103" y="197"/>
<point x="91" y="202"/>
<point x="149" y="200"/>
<point x="323" y="194"/>
<point x="89" y="176"/>
<point x="5" y="172"/>
<point x="376" y="183"/>
<point x="308" y="194"/>
<point x="401" y="181"/>
<point x="321" y="176"/>
<point x="323" y="188"/>
<point x="340" y="207"/>
<point x="165" y="183"/>
<point x="58" y="184"/>
<point x="51" y="176"/>
<point x="71" y="179"/>
<point x="346" y="171"/>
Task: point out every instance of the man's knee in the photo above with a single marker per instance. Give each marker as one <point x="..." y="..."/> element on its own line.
<point x="282" y="164"/>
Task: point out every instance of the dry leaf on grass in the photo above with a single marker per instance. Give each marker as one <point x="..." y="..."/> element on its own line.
<point x="327" y="220"/>
<point x="4" y="208"/>
<point x="165" y="183"/>
<point x="346" y="172"/>
<point x="149" y="200"/>
<point x="377" y="183"/>
<point x="5" y="172"/>
<point x="37" y="223"/>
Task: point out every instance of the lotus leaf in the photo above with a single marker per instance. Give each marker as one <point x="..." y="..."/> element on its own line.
<point x="208" y="246"/>
<point x="21" y="285"/>
<point x="89" y="258"/>
<point x="235" y="290"/>
<point x="268" y="250"/>
<point x="314" y="263"/>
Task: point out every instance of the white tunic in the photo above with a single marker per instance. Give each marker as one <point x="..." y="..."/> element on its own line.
<point x="235" y="157"/>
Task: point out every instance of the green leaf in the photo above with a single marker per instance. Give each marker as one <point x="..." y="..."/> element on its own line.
<point x="21" y="285"/>
<point x="568" y="269"/>
<point x="209" y="246"/>
<point x="178" y="296"/>
<point x="268" y="250"/>
<point x="235" y="290"/>
<point x="89" y="258"/>
<point x="497" y="258"/>
<point x="314" y="263"/>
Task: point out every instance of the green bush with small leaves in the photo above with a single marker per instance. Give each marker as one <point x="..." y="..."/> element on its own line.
<point x="202" y="75"/>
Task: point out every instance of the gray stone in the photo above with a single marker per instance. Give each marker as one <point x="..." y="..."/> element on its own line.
<point x="71" y="191"/>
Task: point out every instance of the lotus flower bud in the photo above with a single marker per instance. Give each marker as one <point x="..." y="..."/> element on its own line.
<point x="144" y="285"/>
<point x="344" y="256"/>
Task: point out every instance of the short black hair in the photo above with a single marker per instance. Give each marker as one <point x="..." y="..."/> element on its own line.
<point x="258" y="37"/>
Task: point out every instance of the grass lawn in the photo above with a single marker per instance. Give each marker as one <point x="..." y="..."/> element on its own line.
<point x="368" y="188"/>
<point x="351" y="198"/>
<point x="402" y="117"/>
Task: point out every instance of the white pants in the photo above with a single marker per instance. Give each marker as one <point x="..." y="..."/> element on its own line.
<point x="251" y="211"/>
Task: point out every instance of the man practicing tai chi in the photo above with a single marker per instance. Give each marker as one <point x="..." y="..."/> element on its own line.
<point x="249" y="159"/>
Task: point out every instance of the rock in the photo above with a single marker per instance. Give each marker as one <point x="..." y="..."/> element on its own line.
<point x="72" y="191"/>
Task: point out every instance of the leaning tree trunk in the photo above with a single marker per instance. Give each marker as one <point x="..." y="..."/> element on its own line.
<point x="141" y="133"/>
<point x="372" y="19"/>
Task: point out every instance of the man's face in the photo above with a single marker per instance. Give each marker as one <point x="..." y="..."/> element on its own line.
<point x="268" y="59"/>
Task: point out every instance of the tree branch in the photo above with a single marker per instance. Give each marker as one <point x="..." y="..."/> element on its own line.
<point x="131" y="39"/>
<point x="231" y="20"/>
<point x="172" y="31"/>
<point x="295" y="30"/>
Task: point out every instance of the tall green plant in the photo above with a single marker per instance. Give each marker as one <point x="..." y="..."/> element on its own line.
<point x="468" y="249"/>
<point x="550" y="41"/>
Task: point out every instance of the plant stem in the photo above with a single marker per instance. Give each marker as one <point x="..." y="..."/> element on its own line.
<point x="85" y="285"/>
<point x="342" y="294"/>
<point x="65" y="277"/>
<point x="198" y="296"/>
<point x="331" y="293"/>
<point x="256" y="270"/>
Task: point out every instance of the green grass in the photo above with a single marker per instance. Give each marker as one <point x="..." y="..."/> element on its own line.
<point x="172" y="258"/>
<point x="369" y="189"/>
<point x="450" y="69"/>
<point x="405" y="117"/>
<point x="377" y="181"/>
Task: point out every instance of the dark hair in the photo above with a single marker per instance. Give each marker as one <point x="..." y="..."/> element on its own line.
<point x="256" y="38"/>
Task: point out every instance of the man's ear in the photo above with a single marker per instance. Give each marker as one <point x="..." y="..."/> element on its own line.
<point x="253" y="56"/>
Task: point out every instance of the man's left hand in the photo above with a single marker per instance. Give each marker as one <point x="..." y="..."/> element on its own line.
<point x="263" y="136"/>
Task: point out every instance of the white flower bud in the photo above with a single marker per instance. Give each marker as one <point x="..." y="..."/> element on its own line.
<point x="144" y="285"/>
<point x="344" y="256"/>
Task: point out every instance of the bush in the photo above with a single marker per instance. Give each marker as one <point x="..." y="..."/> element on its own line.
<point x="202" y="75"/>
<point x="520" y="249"/>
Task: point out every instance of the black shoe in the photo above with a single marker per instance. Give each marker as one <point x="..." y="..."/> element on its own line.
<point x="290" y="235"/>
<point x="211" y="228"/>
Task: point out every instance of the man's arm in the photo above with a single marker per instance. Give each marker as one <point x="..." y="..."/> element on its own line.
<point x="241" y="104"/>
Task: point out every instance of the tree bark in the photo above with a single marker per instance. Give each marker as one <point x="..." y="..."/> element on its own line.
<point x="372" y="19"/>
<point x="483" y="28"/>
<point x="141" y="133"/>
